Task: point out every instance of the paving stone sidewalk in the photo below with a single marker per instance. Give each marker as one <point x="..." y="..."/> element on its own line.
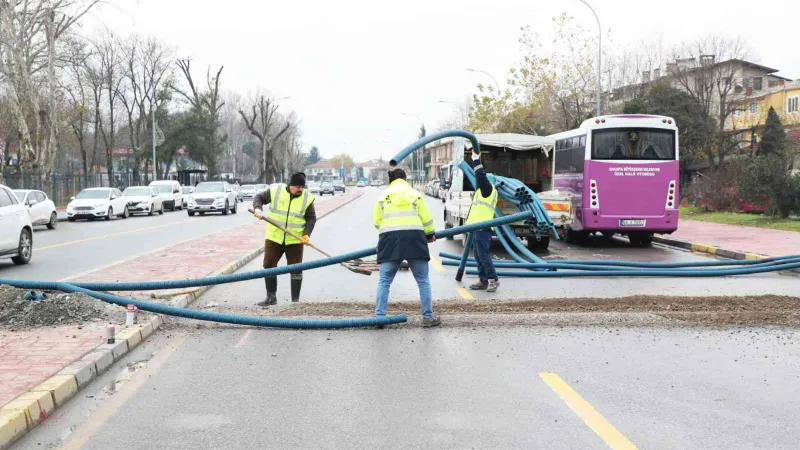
<point x="737" y="238"/>
<point x="31" y="356"/>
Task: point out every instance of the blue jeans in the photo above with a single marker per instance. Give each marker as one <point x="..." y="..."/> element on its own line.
<point x="482" y="242"/>
<point x="419" y="268"/>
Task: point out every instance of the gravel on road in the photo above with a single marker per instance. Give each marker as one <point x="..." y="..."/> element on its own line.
<point x="58" y="308"/>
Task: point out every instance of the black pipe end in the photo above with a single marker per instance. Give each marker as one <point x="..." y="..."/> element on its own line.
<point x="459" y="275"/>
<point x="392" y="163"/>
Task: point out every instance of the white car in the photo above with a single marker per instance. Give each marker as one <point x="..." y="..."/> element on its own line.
<point x="248" y="191"/>
<point x="187" y="191"/>
<point x="42" y="209"/>
<point x="361" y="184"/>
<point x="313" y="187"/>
<point x="144" y="199"/>
<point x="170" y="193"/>
<point x="212" y="196"/>
<point x="92" y="203"/>
<point x="16" y="235"/>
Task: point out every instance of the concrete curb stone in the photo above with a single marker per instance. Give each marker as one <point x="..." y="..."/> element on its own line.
<point x="712" y="250"/>
<point x="17" y="417"/>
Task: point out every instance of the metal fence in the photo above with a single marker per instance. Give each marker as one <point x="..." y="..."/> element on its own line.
<point x="65" y="186"/>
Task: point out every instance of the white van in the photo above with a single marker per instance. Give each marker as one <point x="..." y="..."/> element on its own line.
<point x="170" y="193"/>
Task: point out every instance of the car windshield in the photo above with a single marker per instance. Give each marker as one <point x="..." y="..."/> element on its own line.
<point x="93" y="194"/>
<point x="137" y="192"/>
<point x="261" y="187"/>
<point x="186" y="190"/>
<point x="337" y="183"/>
<point x="163" y="188"/>
<point x="326" y="185"/>
<point x="248" y="187"/>
<point x="210" y="187"/>
<point x="20" y="195"/>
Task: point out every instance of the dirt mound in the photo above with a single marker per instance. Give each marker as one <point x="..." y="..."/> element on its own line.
<point x="57" y="309"/>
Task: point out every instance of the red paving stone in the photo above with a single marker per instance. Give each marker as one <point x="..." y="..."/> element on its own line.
<point x="29" y="357"/>
<point x="743" y="239"/>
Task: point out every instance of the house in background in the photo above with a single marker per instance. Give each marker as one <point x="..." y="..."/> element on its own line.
<point x="750" y="116"/>
<point x="322" y="170"/>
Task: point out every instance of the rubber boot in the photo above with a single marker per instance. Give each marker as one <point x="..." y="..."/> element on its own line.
<point x="272" y="290"/>
<point x="296" y="285"/>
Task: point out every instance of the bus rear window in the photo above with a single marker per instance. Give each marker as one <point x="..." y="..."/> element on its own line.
<point x="633" y="143"/>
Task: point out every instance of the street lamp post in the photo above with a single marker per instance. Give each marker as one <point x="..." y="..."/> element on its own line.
<point x="421" y="155"/>
<point x="599" y="53"/>
<point x="496" y="84"/>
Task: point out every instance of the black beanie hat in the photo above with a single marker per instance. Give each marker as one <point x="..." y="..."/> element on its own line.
<point x="397" y="174"/>
<point x="298" y="179"/>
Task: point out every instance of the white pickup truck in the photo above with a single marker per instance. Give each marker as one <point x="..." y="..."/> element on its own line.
<point x="529" y="159"/>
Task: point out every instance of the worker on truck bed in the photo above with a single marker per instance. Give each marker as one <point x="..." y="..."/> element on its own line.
<point x="484" y="201"/>
<point x="405" y="228"/>
<point x="292" y="206"/>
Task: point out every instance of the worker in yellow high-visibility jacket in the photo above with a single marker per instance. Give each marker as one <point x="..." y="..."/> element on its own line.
<point x="405" y="228"/>
<point x="484" y="201"/>
<point x="293" y="206"/>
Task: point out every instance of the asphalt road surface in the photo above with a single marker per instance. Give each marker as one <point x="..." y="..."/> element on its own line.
<point x="200" y="385"/>
<point x="497" y="387"/>
<point x="350" y="228"/>
<point x="77" y="247"/>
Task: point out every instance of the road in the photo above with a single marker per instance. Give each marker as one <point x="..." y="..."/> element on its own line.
<point x="200" y="385"/>
<point x="77" y="247"/>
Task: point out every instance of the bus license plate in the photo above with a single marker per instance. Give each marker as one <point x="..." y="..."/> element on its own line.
<point x="632" y="222"/>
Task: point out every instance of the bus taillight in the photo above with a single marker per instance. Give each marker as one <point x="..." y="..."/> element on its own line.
<point x="671" y="195"/>
<point x="595" y="196"/>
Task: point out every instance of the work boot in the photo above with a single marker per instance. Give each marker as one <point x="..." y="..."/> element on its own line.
<point x="296" y="285"/>
<point x="477" y="286"/>
<point x="433" y="321"/>
<point x="272" y="289"/>
<point x="492" y="286"/>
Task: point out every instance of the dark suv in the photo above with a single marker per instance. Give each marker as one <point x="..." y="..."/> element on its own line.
<point x="338" y="186"/>
<point x="327" y="188"/>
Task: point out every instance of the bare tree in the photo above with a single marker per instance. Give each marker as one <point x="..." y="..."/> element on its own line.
<point x="29" y="32"/>
<point x="711" y="70"/>
<point x="109" y="57"/>
<point x="206" y="104"/>
<point x="146" y="64"/>
<point x="262" y="125"/>
<point x="77" y="87"/>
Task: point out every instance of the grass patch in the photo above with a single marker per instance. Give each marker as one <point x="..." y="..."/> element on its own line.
<point x="741" y="219"/>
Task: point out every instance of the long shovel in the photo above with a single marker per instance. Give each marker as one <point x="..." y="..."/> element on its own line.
<point x="296" y="236"/>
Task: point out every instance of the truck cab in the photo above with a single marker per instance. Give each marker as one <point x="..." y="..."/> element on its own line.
<point x="529" y="159"/>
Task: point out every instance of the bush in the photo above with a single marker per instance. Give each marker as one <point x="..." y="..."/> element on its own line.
<point x="770" y="177"/>
<point x="715" y="191"/>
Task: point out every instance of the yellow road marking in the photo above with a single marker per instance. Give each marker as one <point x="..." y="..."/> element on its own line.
<point x="106" y="236"/>
<point x="437" y="265"/>
<point x="111" y="405"/>
<point x="585" y="411"/>
<point x="465" y="294"/>
<point x="244" y="339"/>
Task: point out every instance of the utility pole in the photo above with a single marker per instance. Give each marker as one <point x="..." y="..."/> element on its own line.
<point x="599" y="54"/>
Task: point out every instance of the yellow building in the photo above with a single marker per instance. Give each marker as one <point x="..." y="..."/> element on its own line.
<point x="750" y="115"/>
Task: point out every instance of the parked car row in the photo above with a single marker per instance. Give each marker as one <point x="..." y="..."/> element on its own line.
<point x="432" y="188"/>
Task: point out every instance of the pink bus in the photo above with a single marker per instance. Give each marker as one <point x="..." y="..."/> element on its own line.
<point x="622" y="171"/>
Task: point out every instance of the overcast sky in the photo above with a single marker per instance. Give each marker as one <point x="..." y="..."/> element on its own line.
<point x="352" y="67"/>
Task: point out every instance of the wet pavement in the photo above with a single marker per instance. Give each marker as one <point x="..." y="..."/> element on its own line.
<point x="515" y="387"/>
<point x="350" y="228"/>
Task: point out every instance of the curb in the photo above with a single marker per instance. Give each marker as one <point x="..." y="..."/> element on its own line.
<point x="712" y="250"/>
<point x="709" y="249"/>
<point x="24" y="413"/>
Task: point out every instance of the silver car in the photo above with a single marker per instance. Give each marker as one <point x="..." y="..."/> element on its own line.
<point x="213" y="196"/>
